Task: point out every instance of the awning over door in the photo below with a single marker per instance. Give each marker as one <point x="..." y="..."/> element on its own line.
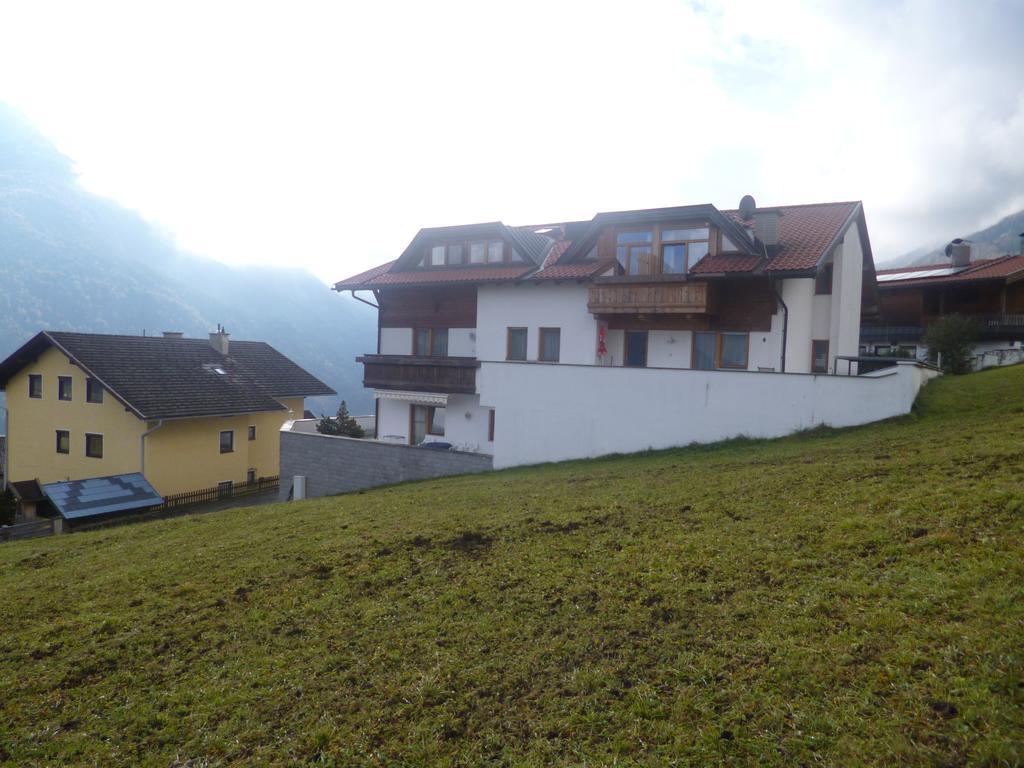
<point x="420" y="398"/>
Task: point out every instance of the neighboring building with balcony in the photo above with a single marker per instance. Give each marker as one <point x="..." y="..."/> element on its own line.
<point x="765" y="290"/>
<point x="991" y="291"/>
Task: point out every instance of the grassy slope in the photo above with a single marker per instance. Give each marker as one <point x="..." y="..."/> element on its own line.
<point x="848" y="598"/>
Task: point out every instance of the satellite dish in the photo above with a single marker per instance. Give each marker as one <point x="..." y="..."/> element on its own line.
<point x="747" y="207"/>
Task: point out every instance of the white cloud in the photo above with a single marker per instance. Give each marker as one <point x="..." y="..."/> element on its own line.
<point x="324" y="135"/>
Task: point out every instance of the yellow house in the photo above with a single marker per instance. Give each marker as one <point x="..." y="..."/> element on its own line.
<point x="188" y="414"/>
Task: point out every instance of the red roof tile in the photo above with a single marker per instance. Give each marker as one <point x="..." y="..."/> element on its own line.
<point x="984" y="269"/>
<point x="575" y="271"/>
<point x="726" y="263"/>
<point x="805" y="231"/>
<point x="381" y="277"/>
<point x="364" y="277"/>
<point x="557" y="249"/>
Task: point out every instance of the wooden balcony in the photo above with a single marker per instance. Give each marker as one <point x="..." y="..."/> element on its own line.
<point x="449" y="375"/>
<point x="648" y="298"/>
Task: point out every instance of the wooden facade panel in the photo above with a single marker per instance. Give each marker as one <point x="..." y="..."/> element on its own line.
<point x="428" y="307"/>
<point x="606" y="245"/>
<point x="1015" y="297"/>
<point x="744" y="305"/>
<point x="738" y="305"/>
<point x="901" y="307"/>
<point x="648" y="298"/>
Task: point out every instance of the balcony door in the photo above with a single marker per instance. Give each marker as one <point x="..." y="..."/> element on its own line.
<point x="425" y="420"/>
<point x="636" y="349"/>
<point x="705" y="347"/>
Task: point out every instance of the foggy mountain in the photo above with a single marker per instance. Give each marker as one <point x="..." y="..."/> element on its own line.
<point x="1000" y="239"/>
<point x="73" y="261"/>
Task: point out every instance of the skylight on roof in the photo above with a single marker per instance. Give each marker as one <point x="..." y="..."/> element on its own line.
<point x="214" y="368"/>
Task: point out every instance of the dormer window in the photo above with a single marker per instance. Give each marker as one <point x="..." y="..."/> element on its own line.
<point x="472" y="252"/>
<point x="441" y="255"/>
<point x="682" y="248"/>
<point x="635" y="252"/>
<point x="669" y="250"/>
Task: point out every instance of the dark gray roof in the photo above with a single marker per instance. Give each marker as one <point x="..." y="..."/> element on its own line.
<point x="168" y="378"/>
<point x="534" y="245"/>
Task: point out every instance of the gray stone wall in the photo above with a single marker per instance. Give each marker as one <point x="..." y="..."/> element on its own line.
<point x="339" y="464"/>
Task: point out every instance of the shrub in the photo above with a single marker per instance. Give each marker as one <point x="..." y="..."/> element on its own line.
<point x="8" y="507"/>
<point x="949" y="341"/>
<point x="342" y="424"/>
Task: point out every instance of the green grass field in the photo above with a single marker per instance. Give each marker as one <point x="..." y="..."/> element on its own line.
<point x="848" y="597"/>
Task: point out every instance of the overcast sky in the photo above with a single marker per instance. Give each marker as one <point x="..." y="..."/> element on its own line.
<point x="324" y="134"/>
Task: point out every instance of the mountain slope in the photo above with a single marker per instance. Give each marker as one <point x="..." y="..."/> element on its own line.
<point x="850" y="597"/>
<point x="1001" y="238"/>
<point x="70" y="260"/>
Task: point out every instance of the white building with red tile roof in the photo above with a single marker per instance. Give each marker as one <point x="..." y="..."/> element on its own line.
<point x="769" y="290"/>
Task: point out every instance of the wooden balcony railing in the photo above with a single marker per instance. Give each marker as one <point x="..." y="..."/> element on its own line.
<point x="648" y="298"/>
<point x="449" y="375"/>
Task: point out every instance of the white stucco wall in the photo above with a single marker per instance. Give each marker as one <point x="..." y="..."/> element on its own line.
<point x="561" y="306"/>
<point x="462" y="342"/>
<point x="667" y="349"/>
<point x="466" y="423"/>
<point x="398" y="341"/>
<point x="395" y="341"/>
<point x="661" y="408"/>
<point x="393" y="420"/>
<point x="846" y="296"/>
<point x="821" y="318"/>
<point x="798" y="294"/>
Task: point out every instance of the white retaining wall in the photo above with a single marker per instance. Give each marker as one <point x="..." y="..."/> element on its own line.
<point x="554" y="412"/>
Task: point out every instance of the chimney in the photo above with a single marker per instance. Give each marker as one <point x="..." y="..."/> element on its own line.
<point x="766" y="226"/>
<point x="960" y="252"/>
<point x="174" y="335"/>
<point x="219" y="340"/>
<point x="1021" y="243"/>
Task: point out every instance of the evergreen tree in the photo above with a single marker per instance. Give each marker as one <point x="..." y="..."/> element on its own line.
<point x="949" y="341"/>
<point x="342" y="424"/>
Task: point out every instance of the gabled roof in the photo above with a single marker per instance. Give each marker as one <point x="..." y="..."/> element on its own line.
<point x="534" y="247"/>
<point x="1009" y="268"/>
<point x="807" y="233"/>
<point x="27" y="490"/>
<point x="379" y="278"/>
<point x="170" y="378"/>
